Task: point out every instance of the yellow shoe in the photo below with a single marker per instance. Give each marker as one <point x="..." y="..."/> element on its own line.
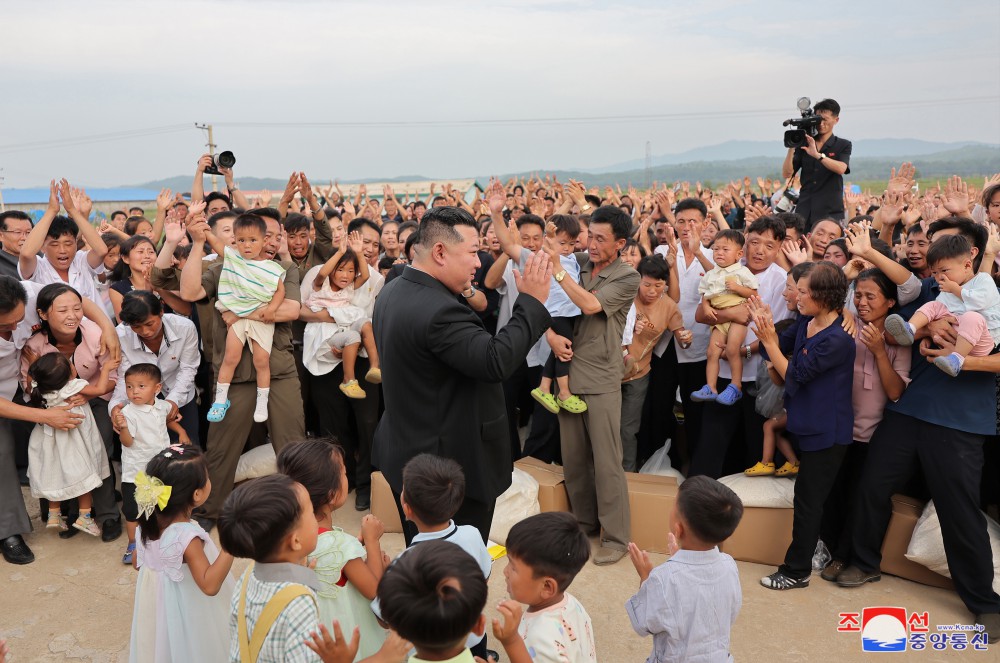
<point x="788" y="470"/>
<point x="352" y="389"/>
<point x="374" y="376"/>
<point x="760" y="470"/>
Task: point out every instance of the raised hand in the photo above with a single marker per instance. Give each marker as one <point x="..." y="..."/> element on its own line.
<point x="263" y="198"/>
<point x="505" y="630"/>
<point x="355" y="242"/>
<point x="858" y="239"/>
<point x="204" y="161"/>
<point x="793" y="252"/>
<point x="174" y="232"/>
<point x="641" y="562"/>
<point x="901" y="181"/>
<point x="290" y="188"/>
<point x="956" y="196"/>
<point x="496" y="197"/>
<point x="83" y="202"/>
<point x="305" y="188"/>
<point x="196" y="212"/>
<point x="163" y="200"/>
<point x="66" y="196"/>
<point x="892" y="207"/>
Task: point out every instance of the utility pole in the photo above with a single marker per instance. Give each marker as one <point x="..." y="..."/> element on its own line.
<point x="211" y="150"/>
<point x="649" y="164"/>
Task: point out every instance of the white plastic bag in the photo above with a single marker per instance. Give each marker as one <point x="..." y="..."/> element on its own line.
<point x="767" y="492"/>
<point x="927" y="544"/>
<point x="517" y="503"/>
<point x="258" y="462"/>
<point x="659" y="464"/>
<point x="821" y="557"/>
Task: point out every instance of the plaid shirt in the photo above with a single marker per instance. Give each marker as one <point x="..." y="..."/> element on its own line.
<point x="286" y="640"/>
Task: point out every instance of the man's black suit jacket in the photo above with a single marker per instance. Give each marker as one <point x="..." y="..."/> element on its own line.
<point x="441" y="374"/>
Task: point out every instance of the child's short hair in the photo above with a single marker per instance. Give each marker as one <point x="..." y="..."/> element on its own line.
<point x="250" y="220"/>
<point x="710" y="509"/>
<point x="434" y="487"/>
<point x="948" y="247"/>
<point x="386" y="262"/>
<point x="734" y="236"/>
<point x="151" y="371"/>
<point x="258" y="515"/>
<point x="317" y="464"/>
<point x="433" y="595"/>
<point x="183" y="468"/>
<point x="566" y="223"/>
<point x="552" y="544"/>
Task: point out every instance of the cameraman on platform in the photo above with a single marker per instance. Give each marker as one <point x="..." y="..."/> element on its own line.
<point x="824" y="161"/>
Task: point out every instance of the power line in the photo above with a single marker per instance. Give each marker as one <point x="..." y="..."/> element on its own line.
<point x="94" y="138"/>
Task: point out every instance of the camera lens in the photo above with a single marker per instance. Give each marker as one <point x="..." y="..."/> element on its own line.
<point x="225" y="160"/>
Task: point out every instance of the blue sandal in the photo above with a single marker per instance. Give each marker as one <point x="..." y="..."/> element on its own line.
<point x="129" y="552"/>
<point x="218" y="412"/>
<point x="704" y="395"/>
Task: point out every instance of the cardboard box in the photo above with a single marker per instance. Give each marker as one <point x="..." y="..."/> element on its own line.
<point x="762" y="537"/>
<point x="383" y="506"/>
<point x="651" y="499"/>
<point x="905" y="511"/>
<point x="551" y="485"/>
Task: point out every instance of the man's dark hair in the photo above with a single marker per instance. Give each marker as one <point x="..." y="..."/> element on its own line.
<point x="566" y="223"/>
<point x="386" y="262"/>
<point x="841" y="244"/>
<point x="136" y="208"/>
<point x="433" y="595"/>
<point x="710" y="509"/>
<point x="434" y="487"/>
<point x="62" y="225"/>
<point x="357" y="224"/>
<point x="147" y="370"/>
<point x="419" y="203"/>
<point x="620" y="222"/>
<point x="828" y="285"/>
<point x="316" y="463"/>
<point x="974" y="233"/>
<point x="948" y="247"/>
<point x="332" y="213"/>
<point x="768" y="223"/>
<point x="216" y="195"/>
<point x="691" y="203"/>
<point x="734" y="236"/>
<point x="250" y="220"/>
<point x="592" y="200"/>
<point x="11" y="292"/>
<point x="393" y="221"/>
<point x="438" y="199"/>
<point x="408" y="245"/>
<point x="258" y="515"/>
<point x="267" y="213"/>
<point x="439" y="223"/>
<point x="828" y="105"/>
<point x="118" y="213"/>
<point x="883" y="247"/>
<point x="915" y="229"/>
<point x="138" y="305"/>
<point x="407" y="225"/>
<point x="793" y="221"/>
<point x="295" y="222"/>
<point x="12" y="214"/>
<point x="219" y="216"/>
<point x="551" y="544"/>
<point x="534" y="219"/>
<point x="801" y="269"/>
<point x="654" y="267"/>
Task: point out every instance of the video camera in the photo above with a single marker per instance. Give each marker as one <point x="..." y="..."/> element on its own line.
<point x="807" y="124"/>
<point x="221" y="160"/>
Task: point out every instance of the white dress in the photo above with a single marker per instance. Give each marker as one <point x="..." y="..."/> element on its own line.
<point x="63" y="464"/>
<point x="173" y="620"/>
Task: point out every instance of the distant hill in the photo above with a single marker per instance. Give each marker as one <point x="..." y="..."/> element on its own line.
<point x="965" y="159"/>
<point x="745" y="149"/>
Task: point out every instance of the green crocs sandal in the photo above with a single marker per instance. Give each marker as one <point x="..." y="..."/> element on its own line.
<point x="548" y="401"/>
<point x="574" y="404"/>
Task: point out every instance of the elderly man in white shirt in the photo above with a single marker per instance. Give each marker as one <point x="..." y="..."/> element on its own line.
<point x="148" y="336"/>
<point x="740" y="423"/>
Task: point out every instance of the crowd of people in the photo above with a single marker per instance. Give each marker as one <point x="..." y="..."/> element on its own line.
<point x="853" y="348"/>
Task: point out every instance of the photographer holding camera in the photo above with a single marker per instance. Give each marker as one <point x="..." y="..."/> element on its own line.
<point x="824" y="160"/>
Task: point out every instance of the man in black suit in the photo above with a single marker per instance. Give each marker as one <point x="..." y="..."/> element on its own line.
<point x="442" y="370"/>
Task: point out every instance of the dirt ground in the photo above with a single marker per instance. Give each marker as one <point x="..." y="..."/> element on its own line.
<point x="74" y="603"/>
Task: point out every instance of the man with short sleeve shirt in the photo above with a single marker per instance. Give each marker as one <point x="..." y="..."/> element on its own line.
<point x="591" y="441"/>
<point x="823" y="160"/>
<point x="728" y="424"/>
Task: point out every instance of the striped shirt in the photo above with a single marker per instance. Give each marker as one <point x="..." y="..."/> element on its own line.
<point x="246" y="285"/>
<point x="285" y="641"/>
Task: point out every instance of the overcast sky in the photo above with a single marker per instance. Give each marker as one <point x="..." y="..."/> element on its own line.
<point x="70" y="70"/>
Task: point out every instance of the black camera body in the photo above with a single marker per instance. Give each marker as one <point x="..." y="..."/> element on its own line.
<point x="808" y="124"/>
<point x="220" y="160"/>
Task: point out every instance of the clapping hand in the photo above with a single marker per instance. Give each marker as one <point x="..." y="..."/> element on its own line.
<point x="537" y="277"/>
<point x="164" y="200"/>
<point x="641" y="562"/>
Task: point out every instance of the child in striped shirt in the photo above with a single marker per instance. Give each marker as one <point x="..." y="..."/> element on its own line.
<point x="252" y="288"/>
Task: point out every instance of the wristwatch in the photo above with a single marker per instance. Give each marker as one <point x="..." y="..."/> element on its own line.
<point x="234" y="187"/>
<point x="821" y="156"/>
<point x="585" y="207"/>
<point x="749" y="354"/>
<point x="471" y="291"/>
<point x="560" y="276"/>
